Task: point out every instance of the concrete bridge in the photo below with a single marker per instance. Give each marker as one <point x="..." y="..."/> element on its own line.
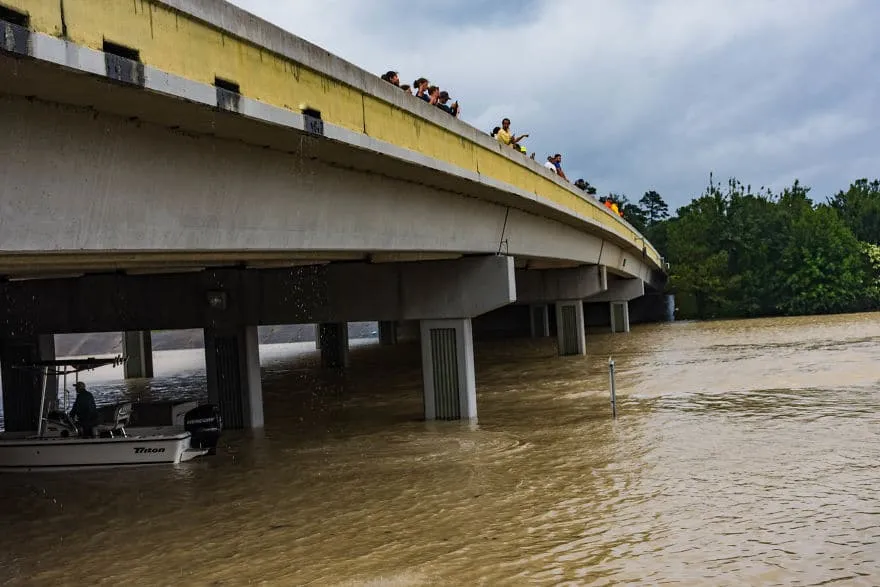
<point x="180" y="163"/>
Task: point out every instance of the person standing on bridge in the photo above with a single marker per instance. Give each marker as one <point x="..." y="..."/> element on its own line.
<point x="432" y="96"/>
<point x="442" y="99"/>
<point x="557" y="165"/>
<point x="506" y="137"/>
<point x="420" y="88"/>
<point x="392" y="78"/>
<point x="84" y="410"/>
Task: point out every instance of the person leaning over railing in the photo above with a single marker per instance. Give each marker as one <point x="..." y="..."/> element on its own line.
<point x="506" y="137"/>
<point x="442" y="99"/>
<point x="420" y="88"/>
<point x="391" y="77"/>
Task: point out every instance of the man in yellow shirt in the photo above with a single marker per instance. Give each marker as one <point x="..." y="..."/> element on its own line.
<point x="505" y="137"/>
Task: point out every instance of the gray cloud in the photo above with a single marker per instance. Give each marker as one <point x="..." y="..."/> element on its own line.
<point x="638" y="95"/>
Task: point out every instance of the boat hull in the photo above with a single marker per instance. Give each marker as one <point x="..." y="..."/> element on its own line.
<point x="140" y="447"/>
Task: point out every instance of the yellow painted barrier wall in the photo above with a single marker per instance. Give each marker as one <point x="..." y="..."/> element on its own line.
<point x="180" y="44"/>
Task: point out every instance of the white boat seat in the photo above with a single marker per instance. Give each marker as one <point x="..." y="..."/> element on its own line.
<point x="121" y="417"/>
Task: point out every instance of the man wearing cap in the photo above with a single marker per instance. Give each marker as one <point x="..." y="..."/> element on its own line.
<point x="442" y="99"/>
<point x="85" y="410"/>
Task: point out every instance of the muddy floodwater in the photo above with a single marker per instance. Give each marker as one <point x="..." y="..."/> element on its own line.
<point x="745" y="453"/>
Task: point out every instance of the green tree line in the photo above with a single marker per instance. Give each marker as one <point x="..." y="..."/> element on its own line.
<point x="734" y="252"/>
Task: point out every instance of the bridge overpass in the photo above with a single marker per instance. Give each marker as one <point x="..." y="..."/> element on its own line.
<point x="181" y="163"/>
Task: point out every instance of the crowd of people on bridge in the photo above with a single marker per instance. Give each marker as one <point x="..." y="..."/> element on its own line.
<point x="424" y="90"/>
<point x="432" y="94"/>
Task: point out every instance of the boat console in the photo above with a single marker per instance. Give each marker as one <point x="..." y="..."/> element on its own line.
<point x="58" y="424"/>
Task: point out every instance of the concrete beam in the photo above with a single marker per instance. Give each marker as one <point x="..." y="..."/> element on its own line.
<point x="349" y="292"/>
<point x="432" y="290"/>
<point x="548" y="285"/>
<point x="620" y="290"/>
<point x="311" y="207"/>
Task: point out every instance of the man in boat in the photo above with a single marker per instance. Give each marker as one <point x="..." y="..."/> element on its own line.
<point x="84" y="410"/>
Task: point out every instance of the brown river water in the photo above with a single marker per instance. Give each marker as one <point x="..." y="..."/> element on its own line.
<point x="745" y="453"/>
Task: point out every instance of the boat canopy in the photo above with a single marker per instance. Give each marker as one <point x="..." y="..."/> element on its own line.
<point x="66" y="366"/>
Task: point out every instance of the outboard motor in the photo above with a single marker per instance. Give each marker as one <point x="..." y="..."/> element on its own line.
<point x="205" y="425"/>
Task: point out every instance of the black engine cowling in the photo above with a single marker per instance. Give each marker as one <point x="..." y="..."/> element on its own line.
<point x="205" y="425"/>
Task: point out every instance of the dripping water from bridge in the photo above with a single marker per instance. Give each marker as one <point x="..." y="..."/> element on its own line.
<point x="746" y="452"/>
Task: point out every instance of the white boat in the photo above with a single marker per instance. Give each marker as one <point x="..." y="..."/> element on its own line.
<point x="58" y="444"/>
<point x="144" y="447"/>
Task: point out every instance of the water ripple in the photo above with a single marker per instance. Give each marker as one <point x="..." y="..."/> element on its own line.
<point x="723" y="468"/>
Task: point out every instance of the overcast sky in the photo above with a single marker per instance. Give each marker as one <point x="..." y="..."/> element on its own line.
<point x="637" y="94"/>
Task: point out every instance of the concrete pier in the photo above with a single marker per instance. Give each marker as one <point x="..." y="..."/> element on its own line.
<point x="387" y="332"/>
<point x="570" y="327"/>
<point x="450" y="391"/>
<point x="137" y="346"/>
<point x="22" y="388"/>
<point x="333" y="339"/>
<point x="232" y="363"/>
<point x="619" y="316"/>
<point x="539" y="322"/>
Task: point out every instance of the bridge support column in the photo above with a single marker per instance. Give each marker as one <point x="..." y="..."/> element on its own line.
<point x="570" y="328"/>
<point x="22" y="388"/>
<point x="387" y="332"/>
<point x="333" y="339"/>
<point x="619" y="317"/>
<point x="669" y="309"/>
<point x="539" y="318"/>
<point x="232" y="362"/>
<point x="450" y="389"/>
<point x="137" y="345"/>
<point x="439" y="298"/>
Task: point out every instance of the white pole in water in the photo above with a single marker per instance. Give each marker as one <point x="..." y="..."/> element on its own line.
<point x="42" y="402"/>
<point x="613" y="392"/>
